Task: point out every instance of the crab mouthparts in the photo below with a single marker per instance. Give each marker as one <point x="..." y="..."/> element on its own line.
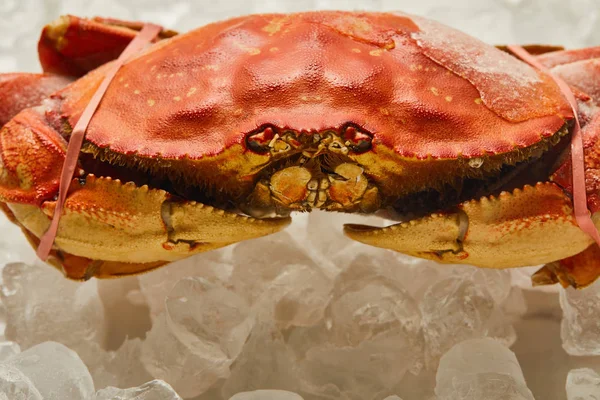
<point x="313" y="184"/>
<point x="311" y="170"/>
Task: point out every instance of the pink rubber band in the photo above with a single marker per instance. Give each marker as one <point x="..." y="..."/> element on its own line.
<point x="582" y="213"/>
<point x="144" y="37"/>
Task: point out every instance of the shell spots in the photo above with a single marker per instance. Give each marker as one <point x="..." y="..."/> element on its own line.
<point x="220" y="81"/>
<point x="274" y="25"/>
<point x="171" y="76"/>
<point x="478" y="101"/>
<point x="250" y="50"/>
<point x="355" y="50"/>
<point x="384" y="111"/>
<point x="136" y="91"/>
<point x="436" y="92"/>
<point x="210" y="67"/>
<point x="274" y="49"/>
<point x="151" y="102"/>
<point x="176" y="98"/>
<point x="376" y="52"/>
<point x="191" y="92"/>
<point x="126" y="85"/>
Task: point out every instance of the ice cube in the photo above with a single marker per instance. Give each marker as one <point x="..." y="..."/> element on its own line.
<point x="121" y="368"/>
<point x="266" y="362"/>
<point x="459" y="308"/>
<point x="154" y="390"/>
<point x="208" y="318"/>
<point x="583" y="384"/>
<point x="280" y="280"/>
<point x="296" y="297"/>
<point x="56" y="371"/>
<point x="480" y="369"/>
<point x="166" y="357"/>
<point x="496" y="281"/>
<point x="258" y="262"/>
<point x="14" y="385"/>
<point x="41" y="305"/>
<point x="266" y="395"/>
<point x="371" y="324"/>
<point x="157" y="284"/>
<point x="367" y="307"/>
<point x="580" y="331"/>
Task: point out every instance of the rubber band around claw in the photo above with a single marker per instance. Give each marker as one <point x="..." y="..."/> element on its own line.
<point x="582" y="213"/>
<point x="143" y="38"/>
<point x="150" y="31"/>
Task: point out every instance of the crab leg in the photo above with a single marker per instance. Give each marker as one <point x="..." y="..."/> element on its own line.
<point x="23" y="90"/>
<point x="73" y="46"/>
<point x="578" y="271"/>
<point x="555" y="58"/>
<point x="31" y="158"/>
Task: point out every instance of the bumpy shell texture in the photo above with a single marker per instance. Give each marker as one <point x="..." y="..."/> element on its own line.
<point x="423" y="89"/>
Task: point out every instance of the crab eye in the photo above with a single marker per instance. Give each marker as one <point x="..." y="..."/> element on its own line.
<point x="357" y="139"/>
<point x="259" y="140"/>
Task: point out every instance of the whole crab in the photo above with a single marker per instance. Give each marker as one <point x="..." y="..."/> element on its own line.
<point x="212" y="137"/>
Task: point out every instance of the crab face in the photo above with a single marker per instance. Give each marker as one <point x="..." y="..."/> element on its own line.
<point x="269" y="114"/>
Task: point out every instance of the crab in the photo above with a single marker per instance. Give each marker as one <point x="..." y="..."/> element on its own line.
<point x="216" y="136"/>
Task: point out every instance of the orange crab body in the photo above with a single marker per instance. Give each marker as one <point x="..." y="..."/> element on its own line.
<point x="215" y="136"/>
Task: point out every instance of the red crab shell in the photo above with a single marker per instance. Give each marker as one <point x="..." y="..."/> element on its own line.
<point x="424" y="90"/>
<point x="435" y="106"/>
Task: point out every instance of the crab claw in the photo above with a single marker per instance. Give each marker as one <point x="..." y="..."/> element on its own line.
<point x="131" y="229"/>
<point x="23" y="90"/>
<point x="528" y="226"/>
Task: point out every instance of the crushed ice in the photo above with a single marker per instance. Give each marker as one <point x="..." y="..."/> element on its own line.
<point x="340" y="321"/>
